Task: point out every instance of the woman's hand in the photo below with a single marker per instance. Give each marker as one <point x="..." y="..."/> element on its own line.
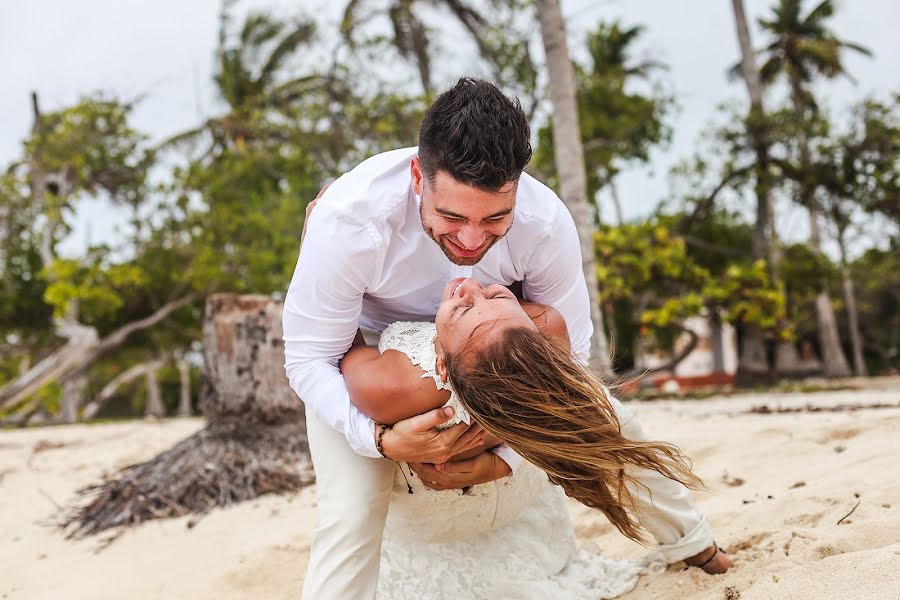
<point x="456" y="475"/>
<point x="309" y="209"/>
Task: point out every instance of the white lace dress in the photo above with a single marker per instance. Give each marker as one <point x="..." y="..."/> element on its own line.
<point x="504" y="540"/>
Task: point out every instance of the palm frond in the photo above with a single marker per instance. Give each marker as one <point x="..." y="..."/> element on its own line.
<point x="350" y="20"/>
<point x="301" y="34"/>
<point x="856" y="48"/>
<point x="825" y="10"/>
<point x="183" y="138"/>
<point x="735" y="72"/>
<point x="771" y="69"/>
<point x="258" y="29"/>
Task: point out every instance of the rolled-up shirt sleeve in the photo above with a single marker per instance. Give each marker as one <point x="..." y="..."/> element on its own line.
<point x="337" y="262"/>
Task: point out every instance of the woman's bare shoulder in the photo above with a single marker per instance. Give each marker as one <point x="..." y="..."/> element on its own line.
<point x="549" y="320"/>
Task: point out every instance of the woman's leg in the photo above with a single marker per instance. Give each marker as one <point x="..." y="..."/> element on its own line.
<point x="666" y="508"/>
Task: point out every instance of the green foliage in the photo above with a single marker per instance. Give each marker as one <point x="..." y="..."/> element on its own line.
<point x="877" y="276"/>
<point x="648" y="270"/>
<point x="618" y="126"/>
<point x="245" y="238"/>
<point x="101" y="288"/>
<point x="22" y="311"/>
<point x="95" y="147"/>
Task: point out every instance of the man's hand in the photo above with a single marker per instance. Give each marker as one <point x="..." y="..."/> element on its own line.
<point x="417" y="439"/>
<point x="718" y="565"/>
<point x="485" y="467"/>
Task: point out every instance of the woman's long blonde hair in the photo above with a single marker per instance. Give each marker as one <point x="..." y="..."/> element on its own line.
<point x="534" y="395"/>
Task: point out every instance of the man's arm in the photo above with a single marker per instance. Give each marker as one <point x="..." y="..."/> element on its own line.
<point x="321" y="317"/>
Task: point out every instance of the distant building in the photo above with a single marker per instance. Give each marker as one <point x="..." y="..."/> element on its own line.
<point x="712" y="362"/>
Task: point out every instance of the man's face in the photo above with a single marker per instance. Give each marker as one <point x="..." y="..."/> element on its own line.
<point x="464" y="221"/>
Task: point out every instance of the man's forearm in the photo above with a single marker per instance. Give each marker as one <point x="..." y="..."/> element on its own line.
<point x="321" y="387"/>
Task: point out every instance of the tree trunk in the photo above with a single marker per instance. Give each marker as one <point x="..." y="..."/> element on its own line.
<point x="184" y="387"/>
<point x="617" y="204"/>
<point x="72" y="399"/>
<point x="859" y="365"/>
<point x="570" y="162"/>
<point x="758" y="133"/>
<point x="254" y="442"/>
<point x="243" y="355"/>
<point x="154" y="407"/>
<point x="752" y="363"/>
<point x="833" y="360"/>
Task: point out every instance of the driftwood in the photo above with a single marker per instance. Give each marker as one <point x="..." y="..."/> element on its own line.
<point x="123" y="378"/>
<point x="254" y="443"/>
<point x="79" y="354"/>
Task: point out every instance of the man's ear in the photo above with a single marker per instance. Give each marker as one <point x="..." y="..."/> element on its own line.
<point x="440" y="368"/>
<point x="415" y="169"/>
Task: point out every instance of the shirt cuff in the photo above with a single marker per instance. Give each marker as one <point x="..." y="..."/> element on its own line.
<point x="695" y="542"/>
<point x="509" y="456"/>
<point x="362" y="439"/>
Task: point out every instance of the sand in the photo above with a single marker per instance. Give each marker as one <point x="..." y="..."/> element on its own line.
<point x="780" y="484"/>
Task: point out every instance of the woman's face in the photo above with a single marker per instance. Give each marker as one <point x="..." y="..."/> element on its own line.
<point x="470" y="313"/>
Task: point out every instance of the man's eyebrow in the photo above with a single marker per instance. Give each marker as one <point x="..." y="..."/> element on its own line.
<point x="449" y="213"/>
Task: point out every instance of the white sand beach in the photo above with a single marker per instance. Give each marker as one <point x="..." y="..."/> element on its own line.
<point x="780" y="483"/>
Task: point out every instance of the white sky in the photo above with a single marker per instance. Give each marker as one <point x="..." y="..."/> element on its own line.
<point x="163" y="49"/>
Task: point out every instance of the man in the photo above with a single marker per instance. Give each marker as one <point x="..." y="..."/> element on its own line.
<point x="382" y="242"/>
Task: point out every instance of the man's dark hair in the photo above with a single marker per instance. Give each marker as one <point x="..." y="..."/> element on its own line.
<point x="475" y="134"/>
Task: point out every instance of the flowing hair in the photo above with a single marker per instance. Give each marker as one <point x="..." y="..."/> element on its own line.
<point x="534" y="395"/>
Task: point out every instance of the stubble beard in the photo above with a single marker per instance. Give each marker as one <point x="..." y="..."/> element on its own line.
<point x="456" y="260"/>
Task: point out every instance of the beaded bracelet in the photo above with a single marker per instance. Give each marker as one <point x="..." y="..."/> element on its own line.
<point x="378" y="438"/>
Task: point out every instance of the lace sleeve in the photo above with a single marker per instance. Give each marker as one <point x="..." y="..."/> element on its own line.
<point x="416" y="341"/>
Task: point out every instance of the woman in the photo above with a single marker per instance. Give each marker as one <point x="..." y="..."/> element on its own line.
<point x="513" y="373"/>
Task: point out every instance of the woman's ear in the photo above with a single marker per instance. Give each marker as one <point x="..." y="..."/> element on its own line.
<point x="440" y="368"/>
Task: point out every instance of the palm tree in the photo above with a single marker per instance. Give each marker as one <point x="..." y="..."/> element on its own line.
<point x="758" y="134"/>
<point x="803" y="47"/>
<point x="410" y="35"/>
<point x="248" y="80"/>
<point x="617" y="125"/>
<point x="570" y="160"/>
<point x="753" y="360"/>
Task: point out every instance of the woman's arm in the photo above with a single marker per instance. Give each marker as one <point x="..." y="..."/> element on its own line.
<point x="387" y="387"/>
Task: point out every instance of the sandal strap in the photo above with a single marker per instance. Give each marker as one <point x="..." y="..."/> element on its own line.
<point x="709" y="560"/>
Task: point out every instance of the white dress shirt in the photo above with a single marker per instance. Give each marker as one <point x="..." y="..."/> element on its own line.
<point x="367" y="262"/>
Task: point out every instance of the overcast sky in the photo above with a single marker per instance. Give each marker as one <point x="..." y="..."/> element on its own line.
<point x="163" y="49"/>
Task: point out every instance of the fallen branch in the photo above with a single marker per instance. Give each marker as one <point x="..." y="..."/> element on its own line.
<point x="123" y="378"/>
<point x="765" y="409"/>
<point x="849" y="513"/>
<point x="74" y="358"/>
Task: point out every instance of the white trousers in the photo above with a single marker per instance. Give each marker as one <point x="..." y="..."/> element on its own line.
<point x="354" y="493"/>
